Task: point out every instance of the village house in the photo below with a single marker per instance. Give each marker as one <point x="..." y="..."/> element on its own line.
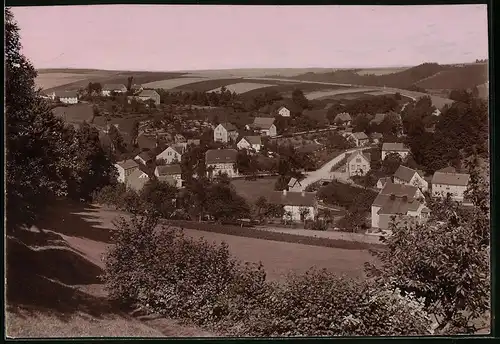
<point x="125" y="169"/>
<point x="250" y="142"/>
<point x="382" y="181"/>
<point x="376" y="137"/>
<point x="360" y="139"/>
<point x="401" y="202"/>
<point x="172" y="154"/>
<point x="108" y="89"/>
<point x="146" y="95"/>
<point x="136" y="88"/>
<point x="145" y="157"/>
<point x="225" y="132"/>
<point x="283" y="111"/>
<point x="343" y="119"/>
<point x="194" y="142"/>
<point x="298" y="206"/>
<point x="358" y="163"/>
<point x="408" y="176"/>
<point x="454" y="184"/>
<point x="136" y="180"/>
<point x="178" y="138"/>
<point x="346" y="133"/>
<point x="221" y="161"/>
<point x="264" y="125"/>
<point x="67" y="97"/>
<point x="170" y="174"/>
<point x="394" y="147"/>
<point x="436" y="112"/>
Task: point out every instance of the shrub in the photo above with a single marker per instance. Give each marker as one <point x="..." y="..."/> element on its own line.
<point x="164" y="272"/>
<point x="319" y="225"/>
<point x="109" y="195"/>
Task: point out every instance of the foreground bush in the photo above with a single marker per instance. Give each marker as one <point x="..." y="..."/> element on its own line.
<point x="164" y="272"/>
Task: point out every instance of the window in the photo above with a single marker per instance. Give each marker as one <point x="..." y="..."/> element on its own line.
<point x="358" y="160"/>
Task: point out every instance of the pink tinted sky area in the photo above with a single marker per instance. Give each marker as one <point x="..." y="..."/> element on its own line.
<point x="174" y="37"/>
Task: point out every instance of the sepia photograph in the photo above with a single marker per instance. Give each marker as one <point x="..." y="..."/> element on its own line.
<point x="229" y="171"/>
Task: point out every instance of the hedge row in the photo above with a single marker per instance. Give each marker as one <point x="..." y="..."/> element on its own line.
<point x="249" y="232"/>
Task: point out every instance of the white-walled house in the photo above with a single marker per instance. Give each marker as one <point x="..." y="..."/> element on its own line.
<point x="146" y="95"/>
<point x="455" y="184"/>
<point x="358" y="163"/>
<point x="283" y="111"/>
<point x="360" y="139"/>
<point x="67" y="97"/>
<point x="169" y="173"/>
<point x="382" y="181"/>
<point x="107" y="89"/>
<point x="294" y="203"/>
<point x="225" y="132"/>
<point x="264" y="125"/>
<point x="394" y="147"/>
<point x="250" y="142"/>
<point x="408" y="176"/>
<point x="144" y="157"/>
<point x="404" y="202"/>
<point x="125" y="169"/>
<point x="222" y="161"/>
<point x="136" y="180"/>
<point x="171" y="154"/>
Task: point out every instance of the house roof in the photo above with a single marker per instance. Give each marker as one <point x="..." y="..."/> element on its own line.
<point x="214" y="156"/>
<point x="193" y="142"/>
<point x="394" y="147"/>
<point x="66" y="94"/>
<point x="228" y="126"/>
<point x="343" y="117"/>
<point x="293" y="198"/>
<point x="148" y="93"/>
<point x="113" y="87"/>
<point x="398" y="205"/>
<point x="263" y="122"/>
<point x="169" y="170"/>
<point x="134" y="182"/>
<point x="360" y="136"/>
<point x="128" y="164"/>
<point x="404" y="173"/>
<point x="398" y="190"/>
<point x="460" y="179"/>
<point x="351" y="156"/>
<point x="253" y="139"/>
<point x="379" y="118"/>
<point x="384" y="180"/>
<point x="146" y="155"/>
<point x="282" y="107"/>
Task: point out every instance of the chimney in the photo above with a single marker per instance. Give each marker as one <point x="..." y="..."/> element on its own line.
<point x="303" y="193"/>
<point x="284" y="192"/>
<point x="405" y="198"/>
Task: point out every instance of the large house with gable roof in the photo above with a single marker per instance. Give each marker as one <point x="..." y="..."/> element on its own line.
<point x="221" y="161"/>
<point x="172" y="153"/>
<point x="171" y="174"/>
<point x="225" y="132"/>
<point x="452" y="183"/>
<point x="264" y="125"/>
<point x="358" y="163"/>
<point x="108" y="89"/>
<point x="298" y="206"/>
<point x="399" y="201"/>
<point x="394" y="147"/>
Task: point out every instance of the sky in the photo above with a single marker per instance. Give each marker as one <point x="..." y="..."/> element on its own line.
<point x="195" y="37"/>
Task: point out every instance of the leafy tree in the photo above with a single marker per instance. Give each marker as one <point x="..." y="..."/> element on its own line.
<point x="300" y="99"/>
<point x="391" y="163"/>
<point x="116" y="139"/>
<point x="37" y="150"/>
<point x="261" y="205"/>
<point x="159" y="197"/>
<point x="304" y="213"/>
<point x="452" y="273"/>
<point x="223" y="203"/>
<point x="129" y="83"/>
<point x="92" y="168"/>
<point x="361" y="123"/>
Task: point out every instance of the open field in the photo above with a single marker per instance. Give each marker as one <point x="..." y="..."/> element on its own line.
<point x="256" y="72"/>
<point x="75" y="114"/>
<point x="178" y="82"/>
<point x="57" y="81"/>
<point x="242" y="87"/>
<point x="381" y="71"/>
<point x="327" y="94"/>
<point x="467" y="76"/>
<point x="251" y="190"/>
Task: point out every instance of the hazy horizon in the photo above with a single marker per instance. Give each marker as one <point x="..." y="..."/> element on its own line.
<point x="207" y="37"/>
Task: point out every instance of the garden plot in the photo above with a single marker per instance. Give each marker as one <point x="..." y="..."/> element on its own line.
<point x="242" y="87"/>
<point x="50" y="80"/>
